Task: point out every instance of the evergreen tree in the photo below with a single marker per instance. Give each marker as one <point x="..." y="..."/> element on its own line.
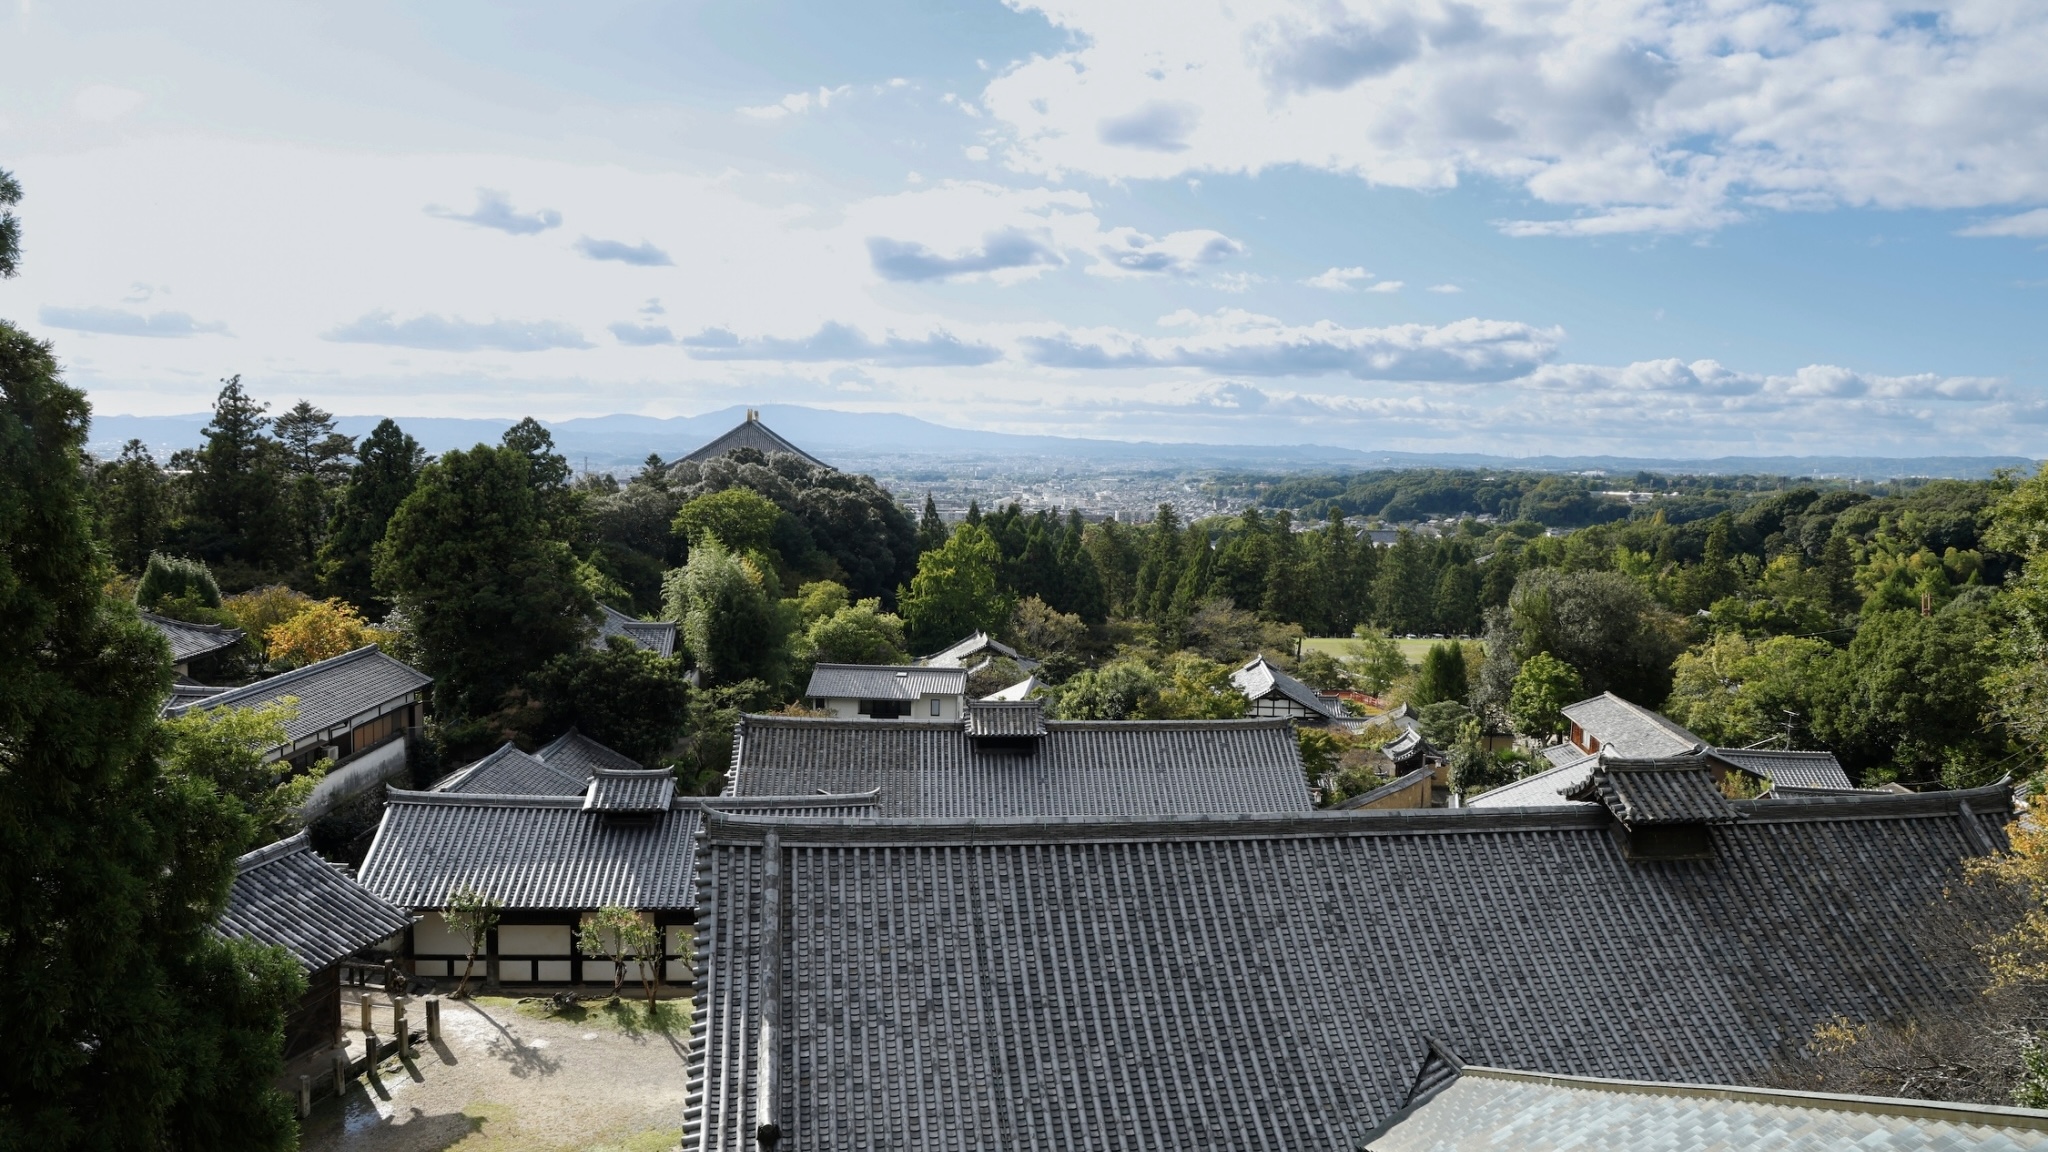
<point x="1497" y="578"/>
<point x="1242" y="562"/>
<point x="1403" y="593"/>
<point x="730" y="623"/>
<point x="237" y="514"/>
<point x="931" y="529"/>
<point x="1079" y="577"/>
<point x="1196" y="575"/>
<point x="10" y="226"/>
<point x="167" y="580"/>
<point x="1443" y="676"/>
<point x="1456" y="600"/>
<point x="490" y="594"/>
<point x="133" y="496"/>
<point x="128" y="1023"/>
<point x="1115" y="560"/>
<point x="315" y="460"/>
<point x="973" y="513"/>
<point x="547" y="473"/>
<point x="621" y="696"/>
<point x="1285" y="596"/>
<point x="387" y="467"/>
<point x="1159" y="571"/>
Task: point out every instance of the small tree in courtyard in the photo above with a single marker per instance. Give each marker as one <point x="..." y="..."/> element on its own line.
<point x="623" y="936"/>
<point x="473" y="915"/>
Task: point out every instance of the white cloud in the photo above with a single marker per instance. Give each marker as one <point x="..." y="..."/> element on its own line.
<point x="1625" y="115"/>
<point x="1338" y="279"/>
<point x="1387" y="286"/>
<point x="1446" y="289"/>
<point x="2029" y="224"/>
<point x="798" y="103"/>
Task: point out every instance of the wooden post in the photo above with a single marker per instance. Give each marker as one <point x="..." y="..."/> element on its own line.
<point x="305" y="1097"/>
<point x="398" y="1028"/>
<point x="363" y="1002"/>
<point x="340" y="1072"/>
<point x="433" y="1019"/>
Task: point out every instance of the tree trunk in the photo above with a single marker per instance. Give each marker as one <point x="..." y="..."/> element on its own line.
<point x="468" y="967"/>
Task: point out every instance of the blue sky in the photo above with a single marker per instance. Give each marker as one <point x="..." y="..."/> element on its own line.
<point x="1586" y="225"/>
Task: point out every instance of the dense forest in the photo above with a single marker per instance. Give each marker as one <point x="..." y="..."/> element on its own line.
<point x="1853" y="618"/>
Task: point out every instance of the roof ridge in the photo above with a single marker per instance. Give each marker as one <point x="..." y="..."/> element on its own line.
<point x="274" y="851"/>
<point x="297" y="674"/>
<point x="920" y="830"/>
<point x="479" y="799"/>
<point x="1998" y="1115"/>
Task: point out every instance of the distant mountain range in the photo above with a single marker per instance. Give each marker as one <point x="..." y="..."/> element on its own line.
<point x="861" y="439"/>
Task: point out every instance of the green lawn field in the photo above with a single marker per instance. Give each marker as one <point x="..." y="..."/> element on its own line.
<point x="1339" y="646"/>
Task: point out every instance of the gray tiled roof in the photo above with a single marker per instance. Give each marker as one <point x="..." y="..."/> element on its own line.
<point x="1392" y="788"/>
<point x="185" y="692"/>
<point x="1258" y="679"/>
<point x="1079" y="768"/>
<point x="1540" y="1112"/>
<point x="1407" y="744"/>
<point x="579" y="755"/>
<point x="1265" y="982"/>
<point x="510" y="772"/>
<point x="640" y="790"/>
<point x="1559" y="755"/>
<point x="1676" y="791"/>
<point x="1795" y="769"/>
<point x="548" y="852"/>
<point x="884" y="682"/>
<point x="1629" y="729"/>
<point x="287" y="895"/>
<point x="330" y="693"/>
<point x="751" y="434"/>
<point x="191" y="641"/>
<point x="980" y="645"/>
<point x="656" y="636"/>
<point x="1550" y="786"/>
<point x="1022" y="718"/>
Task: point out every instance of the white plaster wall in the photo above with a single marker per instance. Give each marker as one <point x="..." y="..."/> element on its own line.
<point x="355" y="776"/>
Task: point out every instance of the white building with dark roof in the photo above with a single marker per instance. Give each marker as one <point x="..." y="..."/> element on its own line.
<point x="887" y="691"/>
<point x="1275" y="693"/>
<point x="353" y="712"/>
<point x="1608" y="722"/>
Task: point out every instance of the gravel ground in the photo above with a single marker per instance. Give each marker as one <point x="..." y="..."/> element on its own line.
<point x="505" y="1076"/>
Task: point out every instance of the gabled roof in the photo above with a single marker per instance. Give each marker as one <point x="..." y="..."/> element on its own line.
<point x="579" y="755"/>
<point x="1559" y="755"/>
<point x="1259" y="679"/>
<point x="548" y="852"/>
<point x="1080" y="768"/>
<point x="639" y="790"/>
<point x="191" y="641"/>
<point x="1791" y="769"/>
<point x="656" y="636"/>
<point x="510" y="772"/>
<point x="1629" y="729"/>
<point x="1675" y="791"/>
<point x="1266" y="981"/>
<point x="185" y="692"/>
<point x="1407" y="744"/>
<point x="1021" y="690"/>
<point x="1478" y="1107"/>
<point x="330" y="693"/>
<point x="285" y="894"/>
<point x="884" y="682"/>
<point x="1005" y="719"/>
<point x="1392" y="788"/>
<point x="1549" y="787"/>
<point x="970" y="652"/>
<point x="751" y="433"/>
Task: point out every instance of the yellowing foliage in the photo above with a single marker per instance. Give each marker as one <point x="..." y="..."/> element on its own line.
<point x="323" y="629"/>
<point x="2019" y="955"/>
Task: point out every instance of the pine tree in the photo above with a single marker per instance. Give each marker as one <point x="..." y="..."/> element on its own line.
<point x="237" y="516"/>
<point x="931" y="529"/>
<point x="128" y="1024"/>
<point x="133" y="496"/>
<point x="1286" y="592"/>
<point x="1402" y="592"/>
<point x="1159" y="571"/>
<point x="315" y="466"/>
<point x="1080" y="577"/>
<point x="387" y="467"/>
<point x="491" y="594"/>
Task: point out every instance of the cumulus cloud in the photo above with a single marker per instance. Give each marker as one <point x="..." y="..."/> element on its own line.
<point x="643" y="254"/>
<point x="1712" y="379"/>
<point x="1338" y="279"/>
<point x="1000" y="250"/>
<point x="833" y="341"/>
<point x="122" y="322"/>
<point x="1158" y="126"/>
<point x="1387" y="286"/>
<point x="1127" y="251"/>
<point x="494" y="210"/>
<point x="642" y="334"/>
<point x="1446" y="289"/>
<point x="451" y="334"/>
<point x="1629" y="115"/>
<point x="1237" y="342"/>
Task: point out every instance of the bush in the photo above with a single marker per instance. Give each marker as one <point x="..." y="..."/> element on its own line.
<point x="176" y="578"/>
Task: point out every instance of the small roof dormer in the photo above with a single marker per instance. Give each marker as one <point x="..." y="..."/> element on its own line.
<point x="1663" y="809"/>
<point x="620" y="793"/>
<point x="1006" y="726"/>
